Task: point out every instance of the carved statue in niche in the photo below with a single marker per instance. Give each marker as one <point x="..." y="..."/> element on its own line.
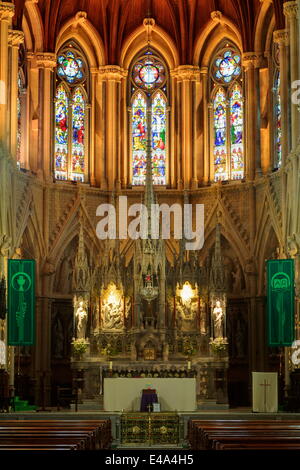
<point x="237" y="278"/>
<point x="112" y="308"/>
<point x="81" y="318"/>
<point x="218" y="319"/>
<point x="95" y="315"/>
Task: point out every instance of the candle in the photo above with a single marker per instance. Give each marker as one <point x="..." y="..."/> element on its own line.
<point x="189" y="365"/>
<point x="110" y="365"/>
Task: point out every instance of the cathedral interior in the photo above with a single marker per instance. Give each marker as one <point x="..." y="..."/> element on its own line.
<point x="186" y="103"/>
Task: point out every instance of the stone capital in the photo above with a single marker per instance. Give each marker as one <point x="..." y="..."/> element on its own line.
<point x="46" y="60"/>
<point x="281" y="37"/>
<point x="204" y="70"/>
<point x="15" y="38"/>
<point x="7" y="11"/>
<point x="290" y="9"/>
<point x="112" y="72"/>
<point x="186" y="73"/>
<point x="252" y="60"/>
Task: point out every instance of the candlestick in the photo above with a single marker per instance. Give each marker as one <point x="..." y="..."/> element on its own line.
<point x="189" y="365"/>
<point x="110" y="365"/>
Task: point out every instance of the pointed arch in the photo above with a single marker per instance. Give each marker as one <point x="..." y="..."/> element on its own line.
<point x="80" y="29"/>
<point x="218" y="29"/>
<point x="266" y="16"/>
<point x="160" y="41"/>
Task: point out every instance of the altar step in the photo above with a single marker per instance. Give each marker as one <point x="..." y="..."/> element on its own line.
<point x="91" y="404"/>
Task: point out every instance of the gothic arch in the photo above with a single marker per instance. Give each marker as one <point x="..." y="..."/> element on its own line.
<point x="218" y="29"/>
<point x="160" y="41"/>
<point x="80" y="29"/>
<point x="268" y="243"/>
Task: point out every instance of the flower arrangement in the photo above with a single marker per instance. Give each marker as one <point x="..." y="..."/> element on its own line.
<point x="108" y="350"/>
<point x="219" y="345"/>
<point x="80" y="346"/>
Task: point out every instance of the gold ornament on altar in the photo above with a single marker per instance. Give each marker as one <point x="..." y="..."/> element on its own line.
<point x="112" y="308"/>
<point x="186" y="301"/>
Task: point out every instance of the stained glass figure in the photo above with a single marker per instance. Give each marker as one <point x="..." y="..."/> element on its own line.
<point x="70" y="67"/>
<point x="159" y="138"/>
<point x="19" y="111"/>
<point x="236" y="133"/>
<point x="78" y="135"/>
<point x="278" y="130"/>
<point x="139" y="139"/>
<point x="61" y="133"/>
<point x="227" y="66"/>
<point x="220" y="138"/>
<point x="149" y="73"/>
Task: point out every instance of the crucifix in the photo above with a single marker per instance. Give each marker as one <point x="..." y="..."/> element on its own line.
<point x="265" y="385"/>
<point x="149" y="407"/>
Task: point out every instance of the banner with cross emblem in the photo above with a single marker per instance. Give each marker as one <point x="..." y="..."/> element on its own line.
<point x="280" y="302"/>
<point x="21" y="302"/>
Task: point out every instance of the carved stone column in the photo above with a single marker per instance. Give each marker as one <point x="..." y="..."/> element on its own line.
<point x="281" y="38"/>
<point x="46" y="62"/>
<point x="15" y="38"/>
<point x="186" y="75"/>
<point x="6" y="13"/>
<point x="249" y="62"/>
<point x="113" y="75"/>
<point x="290" y="11"/>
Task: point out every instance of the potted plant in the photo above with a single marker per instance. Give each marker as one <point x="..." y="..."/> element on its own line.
<point x="80" y="347"/>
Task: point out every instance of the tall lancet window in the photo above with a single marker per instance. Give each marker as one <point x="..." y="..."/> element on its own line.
<point x="277" y="124"/>
<point x="227" y="116"/>
<point x="19" y="116"/>
<point x="71" y="115"/>
<point x="149" y="91"/>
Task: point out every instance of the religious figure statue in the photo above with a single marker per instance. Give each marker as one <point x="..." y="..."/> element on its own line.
<point x="237" y="279"/>
<point x="218" y="315"/>
<point x="81" y="320"/>
<point x="133" y="352"/>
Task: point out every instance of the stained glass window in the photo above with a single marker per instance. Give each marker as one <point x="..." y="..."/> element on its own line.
<point x="78" y="129"/>
<point x="228" y="115"/>
<point x="149" y="73"/>
<point x="71" y="116"/>
<point x="61" y="133"/>
<point x="70" y="67"/>
<point x="236" y="133"/>
<point x="149" y="90"/>
<point x="19" y="115"/>
<point x="278" y="130"/>
<point x="227" y="66"/>
<point x="159" y="138"/>
<point x="139" y="138"/>
<point x="220" y="137"/>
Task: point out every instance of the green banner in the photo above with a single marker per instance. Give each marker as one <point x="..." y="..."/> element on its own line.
<point x="280" y="303"/>
<point x="21" y="302"/>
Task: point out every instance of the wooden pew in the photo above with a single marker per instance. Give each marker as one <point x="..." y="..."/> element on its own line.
<point x="73" y="435"/>
<point x="240" y="434"/>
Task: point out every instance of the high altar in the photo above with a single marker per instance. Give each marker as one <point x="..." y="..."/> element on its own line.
<point x="155" y="314"/>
